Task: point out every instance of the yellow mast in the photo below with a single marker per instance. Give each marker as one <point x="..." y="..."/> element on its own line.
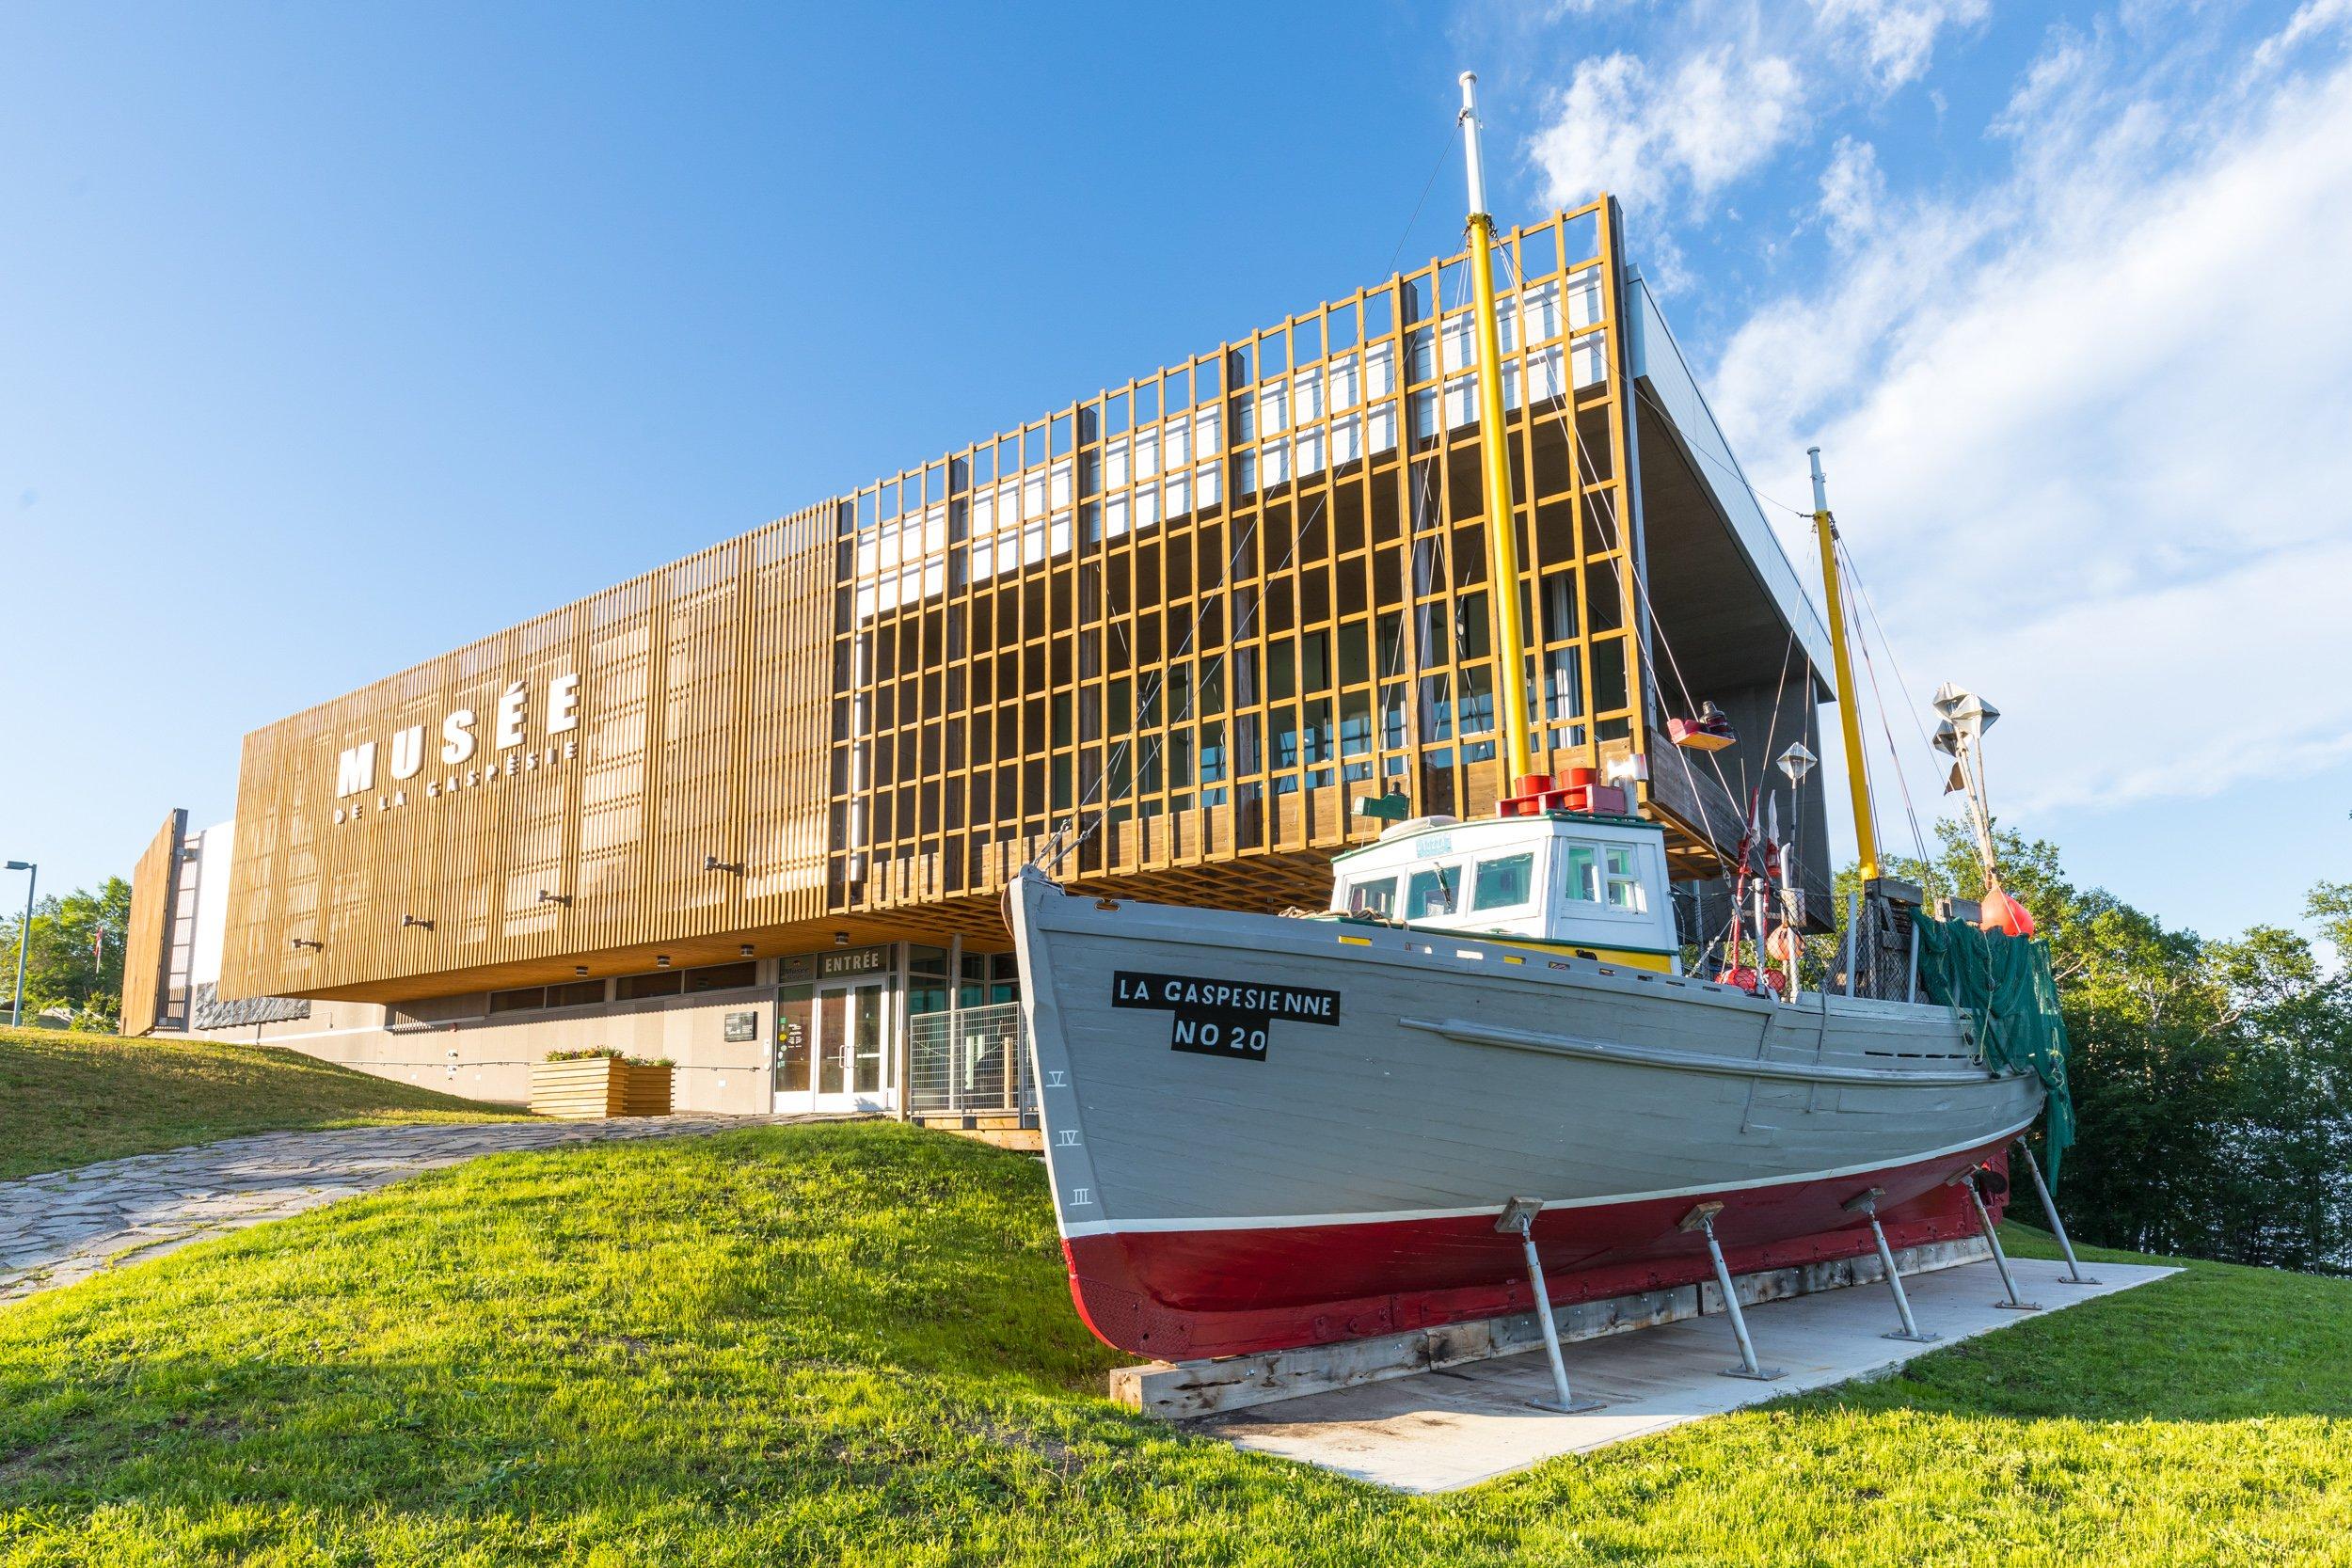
<point x="1848" y="698"/>
<point x="1502" y="544"/>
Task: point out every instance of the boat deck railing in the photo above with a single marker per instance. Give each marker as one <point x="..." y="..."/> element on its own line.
<point x="970" y="1061"/>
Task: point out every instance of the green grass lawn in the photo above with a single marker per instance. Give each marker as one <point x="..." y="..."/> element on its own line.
<point x="65" y="1100"/>
<point x="852" y="1344"/>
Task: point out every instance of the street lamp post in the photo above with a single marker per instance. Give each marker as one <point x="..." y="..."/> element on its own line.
<point x="24" y="939"/>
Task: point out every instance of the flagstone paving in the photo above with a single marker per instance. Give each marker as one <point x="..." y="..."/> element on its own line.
<point x="68" y="1225"/>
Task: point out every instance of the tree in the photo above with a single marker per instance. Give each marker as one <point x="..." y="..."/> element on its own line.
<point x="68" y="963"/>
<point x="2212" y="1080"/>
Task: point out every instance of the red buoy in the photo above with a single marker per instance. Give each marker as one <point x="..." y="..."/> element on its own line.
<point x="2004" y="914"/>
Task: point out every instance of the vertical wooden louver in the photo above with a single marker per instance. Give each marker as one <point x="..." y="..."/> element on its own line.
<point x="1181" y="624"/>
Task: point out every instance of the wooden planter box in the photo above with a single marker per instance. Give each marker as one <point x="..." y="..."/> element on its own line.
<point x="599" y="1086"/>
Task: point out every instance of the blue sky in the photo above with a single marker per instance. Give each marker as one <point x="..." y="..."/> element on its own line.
<point x="333" y="337"/>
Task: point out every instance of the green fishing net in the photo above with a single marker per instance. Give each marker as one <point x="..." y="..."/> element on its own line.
<point x="2004" y="983"/>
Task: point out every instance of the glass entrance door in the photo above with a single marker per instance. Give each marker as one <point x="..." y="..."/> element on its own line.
<point x="843" y="1057"/>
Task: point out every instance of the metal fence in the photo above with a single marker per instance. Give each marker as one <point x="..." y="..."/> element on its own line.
<point x="973" y="1061"/>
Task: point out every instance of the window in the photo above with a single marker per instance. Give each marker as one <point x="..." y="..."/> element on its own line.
<point x="1504" y="882"/>
<point x="1625" y="881"/>
<point x="517" y="1001"/>
<point x="1373" y="896"/>
<point x="579" y="993"/>
<point x="634" y="988"/>
<point x="722" y="977"/>
<point x="1433" y="891"/>
<point x="1583" y="874"/>
<point x="1607" y="874"/>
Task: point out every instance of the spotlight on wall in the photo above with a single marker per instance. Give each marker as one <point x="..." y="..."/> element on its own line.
<point x="418" y="921"/>
<point x="662" y="962"/>
<point x="745" y="950"/>
<point x="712" y="862"/>
<point x="301" y="943"/>
<point x="841" y="938"/>
<point x="563" y="898"/>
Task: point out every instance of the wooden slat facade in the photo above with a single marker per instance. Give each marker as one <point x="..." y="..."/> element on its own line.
<point x="1170" y="632"/>
<point x="146" y="946"/>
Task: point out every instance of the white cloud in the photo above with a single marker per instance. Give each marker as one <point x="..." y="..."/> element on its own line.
<point x="1645" y="136"/>
<point x="1852" y="189"/>
<point x="1897" y="37"/>
<point x="2311" y="19"/>
<point x="2087" y="432"/>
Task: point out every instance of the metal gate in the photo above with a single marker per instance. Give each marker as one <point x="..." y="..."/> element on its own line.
<point x="972" y="1061"/>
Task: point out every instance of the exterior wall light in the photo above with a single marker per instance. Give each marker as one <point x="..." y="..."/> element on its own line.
<point x="662" y="962"/>
<point x="841" y="938"/>
<point x="418" y="921"/>
<point x="745" y="950"/>
<point x="300" y="942"/>
<point x="712" y="862"/>
<point x="563" y="898"/>
<point x="580" y="970"/>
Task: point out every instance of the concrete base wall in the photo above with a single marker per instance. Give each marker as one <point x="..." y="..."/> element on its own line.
<point x="1181" y="1390"/>
<point x="490" y="1059"/>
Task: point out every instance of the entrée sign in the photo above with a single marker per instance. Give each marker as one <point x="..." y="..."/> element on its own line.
<point x="354" y="769"/>
<point x="1223" y="1017"/>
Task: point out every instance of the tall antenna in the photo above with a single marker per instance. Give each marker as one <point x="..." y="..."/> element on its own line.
<point x="1848" y="696"/>
<point x="1503" y="540"/>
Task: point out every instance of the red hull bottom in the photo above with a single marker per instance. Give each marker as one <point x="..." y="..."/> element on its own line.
<point x="1185" y="1295"/>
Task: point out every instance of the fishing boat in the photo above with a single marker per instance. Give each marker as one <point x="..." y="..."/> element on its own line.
<point x="1488" y="1051"/>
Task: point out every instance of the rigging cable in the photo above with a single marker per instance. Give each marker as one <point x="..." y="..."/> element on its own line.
<point x="1583" y="461"/>
<point x="1862" y="594"/>
<point x="1158" y="739"/>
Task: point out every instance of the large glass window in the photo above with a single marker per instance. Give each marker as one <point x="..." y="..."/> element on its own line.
<point x="795" y="1015"/>
<point x="1436" y="891"/>
<point x="1504" y="882"/>
<point x="721" y="976"/>
<point x="579" y="993"/>
<point x="634" y="988"/>
<point x="868" y="1045"/>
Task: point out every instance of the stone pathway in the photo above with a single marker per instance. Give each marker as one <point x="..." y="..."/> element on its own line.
<point x="68" y="1225"/>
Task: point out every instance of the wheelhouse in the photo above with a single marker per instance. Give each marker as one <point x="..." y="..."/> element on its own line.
<point x="1595" y="885"/>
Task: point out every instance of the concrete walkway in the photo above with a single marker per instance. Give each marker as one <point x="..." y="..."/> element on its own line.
<point x="68" y="1225"/>
<point x="1434" y="1432"/>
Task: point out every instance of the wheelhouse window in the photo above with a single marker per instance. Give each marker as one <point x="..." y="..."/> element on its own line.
<point x="1436" y="891"/>
<point x="1502" y="882"/>
<point x="1607" y="874"/>
<point x="1624" y="881"/>
<point x="1584" y="872"/>
<point x="1373" y="896"/>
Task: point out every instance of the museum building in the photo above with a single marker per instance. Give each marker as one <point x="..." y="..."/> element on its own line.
<point x="753" y="811"/>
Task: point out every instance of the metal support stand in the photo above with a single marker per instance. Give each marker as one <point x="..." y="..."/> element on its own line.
<point x="1984" y="1222"/>
<point x="1519" y="1218"/>
<point x="2073" y="1275"/>
<point x="1867" y="1204"/>
<point x="1703" y="1219"/>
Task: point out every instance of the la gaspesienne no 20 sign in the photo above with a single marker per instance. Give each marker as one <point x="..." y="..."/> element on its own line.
<point x="531" y="729"/>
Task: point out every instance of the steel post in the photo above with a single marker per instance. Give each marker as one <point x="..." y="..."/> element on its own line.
<point x="1895" y="1283"/>
<point x="1854" y="937"/>
<point x="1520" y="1215"/>
<point x="2001" y="1259"/>
<point x="2073" y="1275"/>
<point x="1748" y="1366"/>
<point x="23" y="938"/>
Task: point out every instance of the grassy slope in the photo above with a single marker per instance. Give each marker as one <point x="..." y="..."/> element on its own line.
<point x="65" y="1100"/>
<point x="851" y="1344"/>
